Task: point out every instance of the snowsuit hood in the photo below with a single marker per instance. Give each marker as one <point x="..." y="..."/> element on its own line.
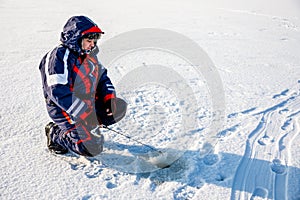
<point x="74" y="29"/>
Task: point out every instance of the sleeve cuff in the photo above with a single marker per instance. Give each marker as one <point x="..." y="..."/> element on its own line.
<point x="108" y="97"/>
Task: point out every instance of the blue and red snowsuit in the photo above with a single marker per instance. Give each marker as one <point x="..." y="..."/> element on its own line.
<point x="72" y="82"/>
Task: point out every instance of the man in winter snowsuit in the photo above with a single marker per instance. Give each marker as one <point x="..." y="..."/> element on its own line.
<point x="79" y="95"/>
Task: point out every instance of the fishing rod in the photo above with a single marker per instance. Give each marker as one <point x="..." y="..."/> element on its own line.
<point x="130" y="138"/>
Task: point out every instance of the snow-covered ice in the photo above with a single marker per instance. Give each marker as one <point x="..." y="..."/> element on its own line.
<point x="254" y="46"/>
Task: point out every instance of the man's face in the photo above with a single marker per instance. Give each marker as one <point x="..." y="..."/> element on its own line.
<point x="88" y="44"/>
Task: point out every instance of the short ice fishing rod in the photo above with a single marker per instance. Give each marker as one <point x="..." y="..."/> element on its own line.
<point x="130" y="138"/>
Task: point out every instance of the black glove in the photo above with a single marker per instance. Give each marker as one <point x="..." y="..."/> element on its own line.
<point x="110" y="107"/>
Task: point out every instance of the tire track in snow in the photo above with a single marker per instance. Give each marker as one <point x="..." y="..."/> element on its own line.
<point x="263" y="170"/>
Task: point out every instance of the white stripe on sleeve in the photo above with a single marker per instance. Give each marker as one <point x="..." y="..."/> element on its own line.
<point x="54" y="79"/>
<point x="110" y="89"/>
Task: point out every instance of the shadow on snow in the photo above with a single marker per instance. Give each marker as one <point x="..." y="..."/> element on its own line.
<point x="193" y="171"/>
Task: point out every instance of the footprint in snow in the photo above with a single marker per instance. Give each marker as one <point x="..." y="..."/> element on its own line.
<point x="211" y="159"/>
<point x="265" y="140"/>
<point x="110" y="185"/>
<point x="277" y="167"/>
<point x="185" y="192"/>
<point x="93" y="173"/>
<point x="259" y="193"/>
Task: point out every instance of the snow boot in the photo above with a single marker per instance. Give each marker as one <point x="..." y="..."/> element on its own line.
<point x="53" y="146"/>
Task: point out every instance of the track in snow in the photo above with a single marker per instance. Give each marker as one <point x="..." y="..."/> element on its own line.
<point x="263" y="170"/>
